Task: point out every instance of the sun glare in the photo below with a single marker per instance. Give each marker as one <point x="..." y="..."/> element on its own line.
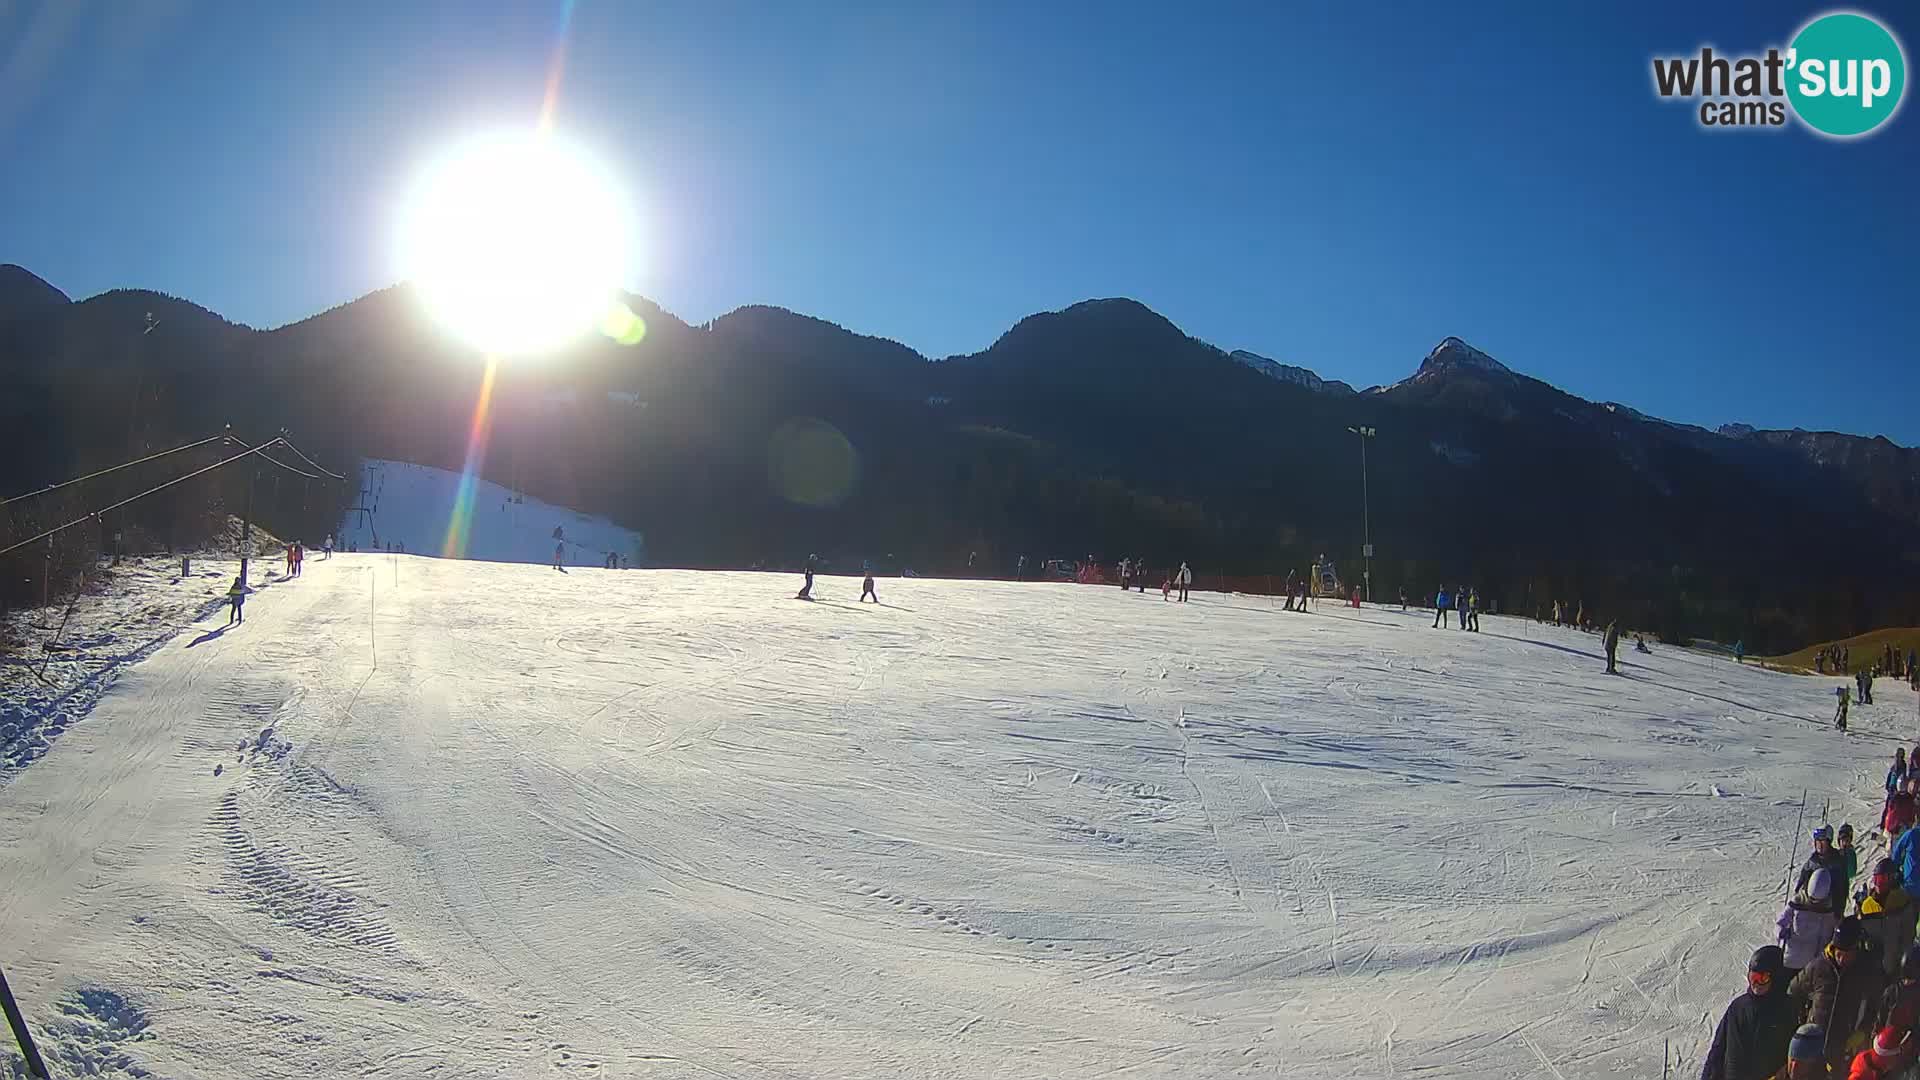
<point x="517" y="244"/>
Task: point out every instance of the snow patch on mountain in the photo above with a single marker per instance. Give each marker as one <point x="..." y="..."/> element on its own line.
<point x="1452" y="354"/>
<point x="1299" y="376"/>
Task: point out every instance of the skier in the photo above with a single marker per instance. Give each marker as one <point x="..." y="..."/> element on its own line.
<point x="1825" y="856"/>
<point x="1837" y="991"/>
<point x="559" y="554"/>
<point x="1140" y="573"/>
<point x="1556" y="613"/>
<point x="1807" y="923"/>
<point x="1751" y="1041"/>
<point x="1403" y="598"/>
<point x="237" y="599"/>
<point x="1887" y="1058"/>
<point x="289" y="572"/>
<point x="1126" y="573"/>
<point x="1640" y="644"/>
<point x="1441" y="603"/>
<point x="1887" y="916"/>
<point x="1898" y="815"/>
<point x="299" y="557"/>
<point x="1289" y="606"/>
<point x="1473" y="609"/>
<point x="327" y="552"/>
<point x="1840" y="714"/>
<point x="1020" y="569"/>
<point x="1740" y="652"/>
<point x="1612" y="642"/>
<point x="1900" y="1003"/>
<point x="1185" y="580"/>
<point x="1906" y="856"/>
<point x="806" y="590"/>
<point x="866" y="590"/>
<point x="1807" y="1054"/>
<point x="1757" y="1027"/>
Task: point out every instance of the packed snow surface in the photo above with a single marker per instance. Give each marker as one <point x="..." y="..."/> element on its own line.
<point x="413" y="505"/>
<point x="420" y="818"/>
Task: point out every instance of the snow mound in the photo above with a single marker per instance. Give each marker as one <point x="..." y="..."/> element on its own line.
<point x="413" y="505"/>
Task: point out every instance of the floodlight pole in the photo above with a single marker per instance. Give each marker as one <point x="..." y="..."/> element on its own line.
<point x="1366" y="515"/>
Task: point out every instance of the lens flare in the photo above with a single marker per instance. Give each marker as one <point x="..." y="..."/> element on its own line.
<point x="810" y="463"/>
<point x="460" y="524"/>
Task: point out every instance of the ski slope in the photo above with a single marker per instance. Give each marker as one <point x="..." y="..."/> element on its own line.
<point x="420" y="817"/>
<point x="411" y="505"/>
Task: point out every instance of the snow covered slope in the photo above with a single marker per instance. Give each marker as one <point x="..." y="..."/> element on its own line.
<point x="430" y="818"/>
<point x="412" y="505"/>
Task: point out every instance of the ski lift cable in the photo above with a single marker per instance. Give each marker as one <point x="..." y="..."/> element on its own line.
<point x="316" y="465"/>
<point x="94" y="516"/>
<point x="116" y="468"/>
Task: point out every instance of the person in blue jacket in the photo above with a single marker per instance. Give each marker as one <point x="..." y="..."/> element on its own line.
<point x="1906" y="857"/>
<point x="1441" y="602"/>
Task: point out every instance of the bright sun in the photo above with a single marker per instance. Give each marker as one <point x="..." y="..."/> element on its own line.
<point x="516" y="243"/>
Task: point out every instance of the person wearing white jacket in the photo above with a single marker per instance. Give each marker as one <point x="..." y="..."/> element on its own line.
<point x="1183" y="579"/>
<point x="1807" y="923"/>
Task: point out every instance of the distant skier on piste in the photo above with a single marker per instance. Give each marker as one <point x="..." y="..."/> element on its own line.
<point x="1442" y="603"/>
<point x="1184" y="579"/>
<point x="866" y="590"/>
<point x="806" y="590"/>
<point x="1612" y="642"/>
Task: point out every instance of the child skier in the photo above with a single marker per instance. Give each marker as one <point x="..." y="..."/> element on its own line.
<point x="866" y="590"/>
<point x="236" y="599"/>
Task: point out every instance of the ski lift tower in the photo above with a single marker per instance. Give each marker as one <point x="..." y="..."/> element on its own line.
<point x="1366" y="524"/>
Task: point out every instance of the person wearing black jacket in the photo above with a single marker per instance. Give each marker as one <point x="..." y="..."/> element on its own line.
<point x="1751" y="1041"/>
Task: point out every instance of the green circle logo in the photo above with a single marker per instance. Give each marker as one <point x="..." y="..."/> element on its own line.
<point x="1846" y="74"/>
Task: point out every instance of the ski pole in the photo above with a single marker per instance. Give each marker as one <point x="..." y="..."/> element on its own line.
<point x="35" y="1067"/>
<point x="1797" y="822"/>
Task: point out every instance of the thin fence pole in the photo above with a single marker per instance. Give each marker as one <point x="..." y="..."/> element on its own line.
<point x="35" y="1067"/>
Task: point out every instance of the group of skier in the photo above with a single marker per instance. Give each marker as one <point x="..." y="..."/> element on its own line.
<point x="1838" y="994"/>
<point x="1465" y="600"/>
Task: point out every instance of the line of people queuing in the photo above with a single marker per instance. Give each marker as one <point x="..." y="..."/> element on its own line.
<point x="1838" y="994"/>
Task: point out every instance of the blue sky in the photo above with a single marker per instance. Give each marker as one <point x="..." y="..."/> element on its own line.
<point x="1335" y="185"/>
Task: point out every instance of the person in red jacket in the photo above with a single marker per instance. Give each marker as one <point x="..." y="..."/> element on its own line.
<point x="1890" y="1054"/>
<point x="1903" y="809"/>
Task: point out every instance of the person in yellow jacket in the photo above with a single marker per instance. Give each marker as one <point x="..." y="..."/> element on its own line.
<point x="1888" y="916"/>
<point x="237" y="598"/>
